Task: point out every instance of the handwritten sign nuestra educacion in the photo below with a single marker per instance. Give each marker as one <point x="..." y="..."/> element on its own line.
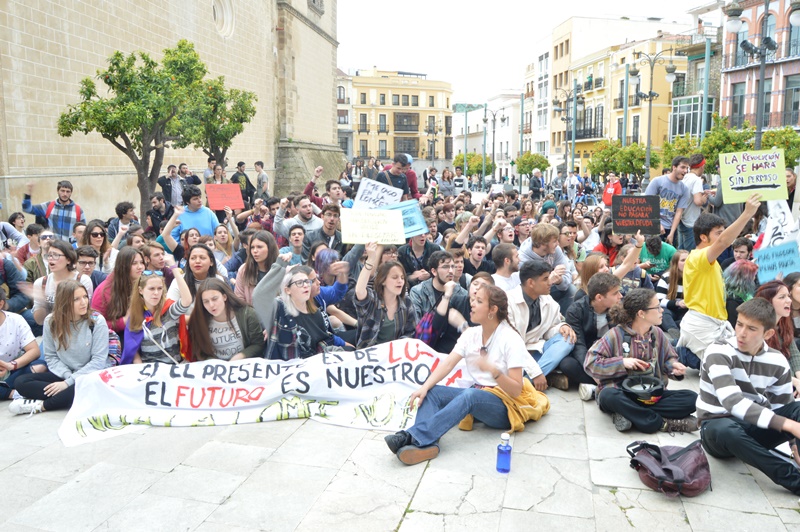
<point x="636" y="213"/>
<point x="227" y="195"/>
<point x="748" y="172"/>
<point x="373" y="194"/>
<point x="413" y="221"/>
<point x="361" y="226"/>
<point x="775" y="260"/>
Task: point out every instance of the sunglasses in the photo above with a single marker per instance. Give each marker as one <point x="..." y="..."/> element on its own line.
<point x="153" y="272"/>
<point x="46" y="237"/>
<point x="97" y="235"/>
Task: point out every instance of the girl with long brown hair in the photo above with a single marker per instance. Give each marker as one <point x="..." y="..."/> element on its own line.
<point x="263" y="253"/>
<point x="384" y="312"/>
<point x="777" y="293"/>
<point x="61" y="262"/>
<point x="112" y="298"/>
<point x="223" y="326"/>
<point x="670" y="293"/>
<point x="95" y="235"/>
<point x="495" y="357"/>
<point x="75" y="342"/>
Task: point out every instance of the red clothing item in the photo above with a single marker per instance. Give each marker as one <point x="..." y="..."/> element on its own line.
<point x="611" y="189"/>
<point x="411" y="178"/>
<point x="101" y="298"/>
<point x="611" y="252"/>
<point x="24" y="253"/>
<point x="309" y="191"/>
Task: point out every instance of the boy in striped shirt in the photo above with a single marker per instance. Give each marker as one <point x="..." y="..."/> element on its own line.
<point x="746" y="405"/>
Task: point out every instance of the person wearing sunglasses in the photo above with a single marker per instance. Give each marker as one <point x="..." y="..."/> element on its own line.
<point x="495" y="357"/>
<point x="636" y="346"/>
<point x="152" y="327"/>
<point x="36" y="265"/>
<point x="95" y="235"/>
<point x="223" y="326"/>
<point x="62" y="264"/>
<point x="297" y="327"/>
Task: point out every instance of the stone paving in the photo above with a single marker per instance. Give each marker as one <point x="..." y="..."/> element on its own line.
<point x="569" y="472"/>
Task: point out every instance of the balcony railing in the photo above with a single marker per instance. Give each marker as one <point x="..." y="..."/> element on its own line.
<point x="363" y="154"/>
<point x="585" y="133"/>
<point x="633" y="139"/>
<point x="680" y="88"/>
<point x="526" y="128"/>
<point x="588" y="85"/>
<point x="736" y="120"/>
<point x="406" y="128"/>
<point x="598" y="82"/>
<point x="383" y="128"/>
<point x="772" y="119"/>
<point x="619" y="102"/>
<point x="793" y="47"/>
<point x="363" y="128"/>
<point x="634" y="100"/>
<point x="382" y="155"/>
<point x="342" y="100"/>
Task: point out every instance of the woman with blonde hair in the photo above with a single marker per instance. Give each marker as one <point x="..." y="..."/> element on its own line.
<point x="75" y="343"/>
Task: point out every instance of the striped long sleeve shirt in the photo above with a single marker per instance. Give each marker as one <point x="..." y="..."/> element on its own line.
<point x="747" y="387"/>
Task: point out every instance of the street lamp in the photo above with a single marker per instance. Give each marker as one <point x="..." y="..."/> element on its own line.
<point x="494" y="124"/>
<point x="767" y="45"/>
<point x="570" y="96"/>
<point x="643" y="58"/>
<point x="433" y="132"/>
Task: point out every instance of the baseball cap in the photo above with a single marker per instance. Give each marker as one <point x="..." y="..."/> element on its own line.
<point x="410" y="158"/>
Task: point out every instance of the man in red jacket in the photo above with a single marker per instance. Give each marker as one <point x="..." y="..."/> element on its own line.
<point x="612" y="189"/>
<point x="411" y="176"/>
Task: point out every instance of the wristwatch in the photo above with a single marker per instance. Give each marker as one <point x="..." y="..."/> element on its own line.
<point x="15" y="364"/>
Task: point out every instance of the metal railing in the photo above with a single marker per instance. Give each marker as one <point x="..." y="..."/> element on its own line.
<point x="598" y="82"/>
<point x="634" y="100"/>
<point x="363" y="128"/>
<point x="342" y="100"/>
<point x="619" y="102"/>
<point x="383" y="128"/>
<point x="406" y="128"/>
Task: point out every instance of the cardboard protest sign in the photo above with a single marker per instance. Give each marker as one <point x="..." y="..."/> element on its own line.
<point x="744" y="173"/>
<point x="367" y="389"/>
<point x="413" y="221"/>
<point x="783" y="258"/>
<point x="221" y="196"/>
<point x="636" y="213"/>
<point x="373" y="194"/>
<point x="361" y="226"/>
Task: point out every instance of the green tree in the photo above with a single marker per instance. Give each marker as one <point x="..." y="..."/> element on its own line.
<point x="722" y="139"/>
<point x="603" y="159"/>
<point x="684" y="146"/>
<point x="528" y="161"/>
<point x="213" y="118"/>
<point x="786" y="138"/>
<point x="134" y="113"/>
<point x="631" y="160"/>
<point x="474" y="164"/>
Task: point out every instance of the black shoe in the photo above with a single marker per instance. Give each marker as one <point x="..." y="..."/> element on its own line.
<point x="398" y="440"/>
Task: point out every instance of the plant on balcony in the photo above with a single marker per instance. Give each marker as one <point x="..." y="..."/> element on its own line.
<point x="684" y="146"/>
<point x="528" y="161"/>
<point x="474" y="164"/>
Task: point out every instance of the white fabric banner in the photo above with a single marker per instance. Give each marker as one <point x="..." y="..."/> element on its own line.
<point x="367" y="389"/>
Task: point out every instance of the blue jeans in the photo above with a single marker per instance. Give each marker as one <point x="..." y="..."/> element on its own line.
<point x="444" y="407"/>
<point x="686" y="240"/>
<point x="564" y="298"/>
<point x="7" y="385"/>
<point x="555" y="350"/>
<point x="36" y="329"/>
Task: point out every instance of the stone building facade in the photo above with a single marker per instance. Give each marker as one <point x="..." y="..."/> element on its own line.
<point x="283" y="50"/>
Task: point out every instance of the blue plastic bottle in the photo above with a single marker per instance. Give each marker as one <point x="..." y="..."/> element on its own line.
<point x="504" y="454"/>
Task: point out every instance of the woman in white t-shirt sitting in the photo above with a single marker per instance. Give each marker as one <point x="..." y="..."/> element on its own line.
<point x="62" y="262"/>
<point x="495" y="355"/>
<point x="19" y="352"/>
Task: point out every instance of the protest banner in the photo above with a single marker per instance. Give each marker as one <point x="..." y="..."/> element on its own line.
<point x="744" y="173"/>
<point x="227" y="195"/>
<point x="497" y="188"/>
<point x="361" y="226"/>
<point x="373" y="194"/>
<point x="781" y="259"/>
<point x="636" y="213"/>
<point x="367" y="389"/>
<point x="413" y="221"/>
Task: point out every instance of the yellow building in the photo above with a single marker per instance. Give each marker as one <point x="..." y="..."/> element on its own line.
<point x="639" y="86"/>
<point x="402" y="112"/>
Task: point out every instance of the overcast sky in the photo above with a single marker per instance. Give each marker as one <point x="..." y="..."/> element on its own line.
<point x="480" y="47"/>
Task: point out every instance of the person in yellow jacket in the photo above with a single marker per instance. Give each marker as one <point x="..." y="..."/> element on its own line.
<point x="495" y="357"/>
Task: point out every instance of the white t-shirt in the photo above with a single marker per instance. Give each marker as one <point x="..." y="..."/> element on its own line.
<point x="506" y="350"/>
<point x="174" y="292"/>
<point x="50" y="290"/>
<point x="591" y="240"/>
<point x="691" y="213"/>
<point x="506" y="283"/>
<point x="15" y="334"/>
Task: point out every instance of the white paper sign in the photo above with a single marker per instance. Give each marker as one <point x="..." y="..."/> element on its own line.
<point x="373" y="194"/>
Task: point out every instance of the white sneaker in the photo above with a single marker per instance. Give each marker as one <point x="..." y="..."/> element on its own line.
<point x="587" y="391"/>
<point x="25" y="406"/>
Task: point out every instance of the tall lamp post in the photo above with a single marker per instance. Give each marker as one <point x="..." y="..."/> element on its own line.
<point x="494" y="125"/>
<point x="767" y="45"/>
<point x="572" y="98"/>
<point x="643" y="58"/>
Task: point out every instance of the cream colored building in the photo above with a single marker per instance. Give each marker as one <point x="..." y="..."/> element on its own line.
<point x="284" y="51"/>
<point x="402" y="112"/>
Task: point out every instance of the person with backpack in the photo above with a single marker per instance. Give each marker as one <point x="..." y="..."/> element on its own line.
<point x="61" y="214"/>
<point x="75" y="342"/>
<point x="637" y="347"/>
